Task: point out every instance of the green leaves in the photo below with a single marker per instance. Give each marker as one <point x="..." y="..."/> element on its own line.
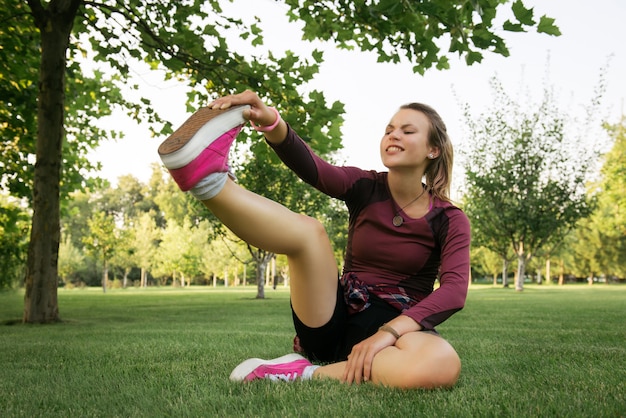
<point x="513" y="27"/>
<point x="416" y="31"/>
<point x="19" y="64"/>
<point x="525" y="17"/>
<point x="546" y="25"/>
<point x="14" y="228"/>
<point x="522" y="14"/>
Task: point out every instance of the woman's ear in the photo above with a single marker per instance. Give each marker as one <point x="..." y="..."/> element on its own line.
<point x="434" y="153"/>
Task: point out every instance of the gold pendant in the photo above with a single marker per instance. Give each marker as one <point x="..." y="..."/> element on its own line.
<point x="397" y="220"/>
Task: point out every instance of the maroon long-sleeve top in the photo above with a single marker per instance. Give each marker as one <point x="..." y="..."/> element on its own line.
<point x="397" y="264"/>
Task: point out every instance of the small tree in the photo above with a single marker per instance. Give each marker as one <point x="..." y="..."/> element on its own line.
<point x="525" y="182"/>
<point x="101" y="241"/>
<point x="146" y="236"/>
<point x="124" y="254"/>
<point x="181" y="251"/>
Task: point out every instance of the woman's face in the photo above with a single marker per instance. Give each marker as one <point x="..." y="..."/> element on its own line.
<point x="405" y="143"/>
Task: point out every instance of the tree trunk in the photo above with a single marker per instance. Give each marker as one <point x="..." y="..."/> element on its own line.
<point x="272" y="272"/>
<point x="261" y="265"/>
<point x="521" y="272"/>
<point x="41" y="281"/>
<point x="548" y="273"/>
<point x="261" y="259"/>
<point x="505" y="273"/>
<point x="105" y="276"/>
<point x="125" y="279"/>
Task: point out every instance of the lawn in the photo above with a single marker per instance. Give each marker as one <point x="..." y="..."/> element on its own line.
<point x="548" y="351"/>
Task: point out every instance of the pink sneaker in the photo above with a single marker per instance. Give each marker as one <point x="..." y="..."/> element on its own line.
<point x="288" y="368"/>
<point x="200" y="146"/>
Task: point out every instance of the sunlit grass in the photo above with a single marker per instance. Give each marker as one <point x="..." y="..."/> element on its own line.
<point x="548" y="351"/>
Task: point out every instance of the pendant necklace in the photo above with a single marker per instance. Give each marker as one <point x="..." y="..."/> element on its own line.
<point x="398" y="220"/>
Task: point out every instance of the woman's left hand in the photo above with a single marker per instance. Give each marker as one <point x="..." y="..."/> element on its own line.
<point x="359" y="365"/>
<point x="259" y="113"/>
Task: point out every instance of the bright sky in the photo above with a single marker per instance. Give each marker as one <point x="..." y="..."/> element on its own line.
<point x="593" y="34"/>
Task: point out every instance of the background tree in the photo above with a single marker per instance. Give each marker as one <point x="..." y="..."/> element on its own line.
<point x="486" y="231"/>
<point x="601" y="239"/>
<point x="32" y="108"/>
<point x="181" y="251"/>
<point x="101" y="241"/>
<point x="487" y="262"/>
<point x="124" y="253"/>
<point x="565" y="258"/>
<point x="524" y="183"/>
<point x="19" y="59"/>
<point x="71" y="262"/>
<point x="185" y="39"/>
<point x="126" y="200"/>
<point x="13" y="242"/>
<point x="612" y="201"/>
<point x="226" y="257"/>
<point x="146" y="237"/>
<point x="76" y="212"/>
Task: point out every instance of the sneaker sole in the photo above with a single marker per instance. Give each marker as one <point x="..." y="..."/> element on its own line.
<point x="197" y="133"/>
<point x="240" y="372"/>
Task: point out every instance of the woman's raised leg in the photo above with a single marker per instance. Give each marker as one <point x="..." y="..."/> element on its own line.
<point x="266" y="224"/>
<point x="196" y="155"/>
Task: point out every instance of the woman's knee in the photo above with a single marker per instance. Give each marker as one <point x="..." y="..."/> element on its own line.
<point x="313" y="233"/>
<point x="316" y="228"/>
<point x="446" y="370"/>
<point x="436" y="365"/>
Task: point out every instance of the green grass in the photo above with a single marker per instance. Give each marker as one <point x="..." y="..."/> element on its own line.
<point x="549" y="351"/>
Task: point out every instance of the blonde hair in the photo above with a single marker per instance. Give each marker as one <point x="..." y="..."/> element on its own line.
<point x="439" y="171"/>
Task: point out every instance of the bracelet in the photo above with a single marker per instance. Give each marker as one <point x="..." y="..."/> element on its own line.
<point x="268" y="127"/>
<point x="390" y="330"/>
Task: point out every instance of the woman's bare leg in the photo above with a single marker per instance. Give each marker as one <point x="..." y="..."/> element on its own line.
<point x="266" y="224"/>
<point x="417" y="360"/>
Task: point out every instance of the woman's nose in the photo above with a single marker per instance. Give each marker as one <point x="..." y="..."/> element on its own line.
<point x="394" y="134"/>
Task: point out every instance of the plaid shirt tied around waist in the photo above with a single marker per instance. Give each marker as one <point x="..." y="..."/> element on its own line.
<point x="356" y="294"/>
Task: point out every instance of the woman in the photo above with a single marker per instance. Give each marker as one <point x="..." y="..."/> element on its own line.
<point x="377" y="323"/>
